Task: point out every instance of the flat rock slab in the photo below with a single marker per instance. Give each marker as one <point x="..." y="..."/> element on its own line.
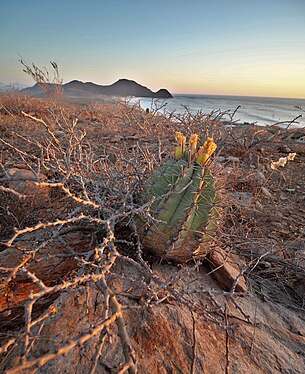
<point x="226" y="271"/>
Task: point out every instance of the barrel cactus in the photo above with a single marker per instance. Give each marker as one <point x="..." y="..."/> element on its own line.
<point x="185" y="203"/>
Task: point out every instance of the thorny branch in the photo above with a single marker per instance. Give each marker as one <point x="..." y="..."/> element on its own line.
<point x="65" y="158"/>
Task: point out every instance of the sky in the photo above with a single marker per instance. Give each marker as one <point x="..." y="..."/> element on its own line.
<point x="232" y="47"/>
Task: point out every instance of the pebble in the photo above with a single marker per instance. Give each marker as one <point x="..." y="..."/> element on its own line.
<point x="266" y="192"/>
<point x="299" y="287"/>
<point x="244" y="199"/>
<point x="259" y="206"/>
<point x="254" y="160"/>
<point x="283" y="197"/>
<point x="233" y="159"/>
<point x="291" y="190"/>
<point x="284" y="149"/>
<point x="260" y="178"/>
<point x="220" y="159"/>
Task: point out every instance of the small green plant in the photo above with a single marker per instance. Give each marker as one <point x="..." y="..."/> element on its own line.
<point x="185" y="199"/>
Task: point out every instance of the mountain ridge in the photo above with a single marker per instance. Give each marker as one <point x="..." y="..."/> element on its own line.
<point x="122" y="87"/>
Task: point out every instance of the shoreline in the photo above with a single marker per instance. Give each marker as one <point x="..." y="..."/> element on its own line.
<point x="246" y="109"/>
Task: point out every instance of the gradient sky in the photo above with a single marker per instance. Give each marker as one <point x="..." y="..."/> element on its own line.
<point x="234" y="47"/>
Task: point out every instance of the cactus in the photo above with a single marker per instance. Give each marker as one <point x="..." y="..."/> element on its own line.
<point x="185" y="203"/>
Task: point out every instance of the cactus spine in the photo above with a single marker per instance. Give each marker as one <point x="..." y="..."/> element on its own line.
<point x="185" y="203"/>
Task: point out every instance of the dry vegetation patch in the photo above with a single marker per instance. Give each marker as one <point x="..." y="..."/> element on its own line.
<point x="76" y="280"/>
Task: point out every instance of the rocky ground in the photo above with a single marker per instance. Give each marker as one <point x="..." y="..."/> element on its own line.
<point x="135" y="312"/>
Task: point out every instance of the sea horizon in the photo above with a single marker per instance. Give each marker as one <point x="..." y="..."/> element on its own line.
<point x="237" y="95"/>
<point x="259" y="110"/>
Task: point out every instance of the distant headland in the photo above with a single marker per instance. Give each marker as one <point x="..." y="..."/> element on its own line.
<point x="121" y="88"/>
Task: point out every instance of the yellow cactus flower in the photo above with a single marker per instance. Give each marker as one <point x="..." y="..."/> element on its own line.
<point x="209" y="147"/>
<point x="179" y="137"/>
<point x="193" y="144"/>
<point x="206" y="151"/>
<point x="181" y="140"/>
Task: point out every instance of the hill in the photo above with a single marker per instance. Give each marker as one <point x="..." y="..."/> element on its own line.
<point x="75" y="88"/>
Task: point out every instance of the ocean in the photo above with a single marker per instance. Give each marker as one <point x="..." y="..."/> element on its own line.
<point x="259" y="110"/>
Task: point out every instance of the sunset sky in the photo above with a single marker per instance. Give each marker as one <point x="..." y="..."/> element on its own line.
<point x="234" y="47"/>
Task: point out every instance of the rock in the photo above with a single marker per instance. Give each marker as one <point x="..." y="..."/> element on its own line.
<point x="302" y="231"/>
<point x="298" y="135"/>
<point x="226" y="271"/>
<point x="244" y="199"/>
<point x="261" y="150"/>
<point x="259" y="206"/>
<point x="45" y="264"/>
<point x="25" y="185"/>
<point x="220" y="159"/>
<point x="283" y="197"/>
<point x="283" y="148"/>
<point x="163" y="94"/>
<point x="166" y="335"/>
<point x="299" y="258"/>
<point x="259" y="178"/>
<point x="266" y="192"/>
<point x="290" y="190"/>
<point x="254" y="160"/>
<point x="299" y="287"/>
<point x="233" y="160"/>
<point x="30" y="202"/>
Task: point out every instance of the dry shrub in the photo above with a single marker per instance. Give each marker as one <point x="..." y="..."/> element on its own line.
<point x="92" y="178"/>
<point x="94" y="169"/>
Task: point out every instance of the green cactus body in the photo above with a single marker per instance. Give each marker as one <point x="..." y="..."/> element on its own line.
<point x="186" y="204"/>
